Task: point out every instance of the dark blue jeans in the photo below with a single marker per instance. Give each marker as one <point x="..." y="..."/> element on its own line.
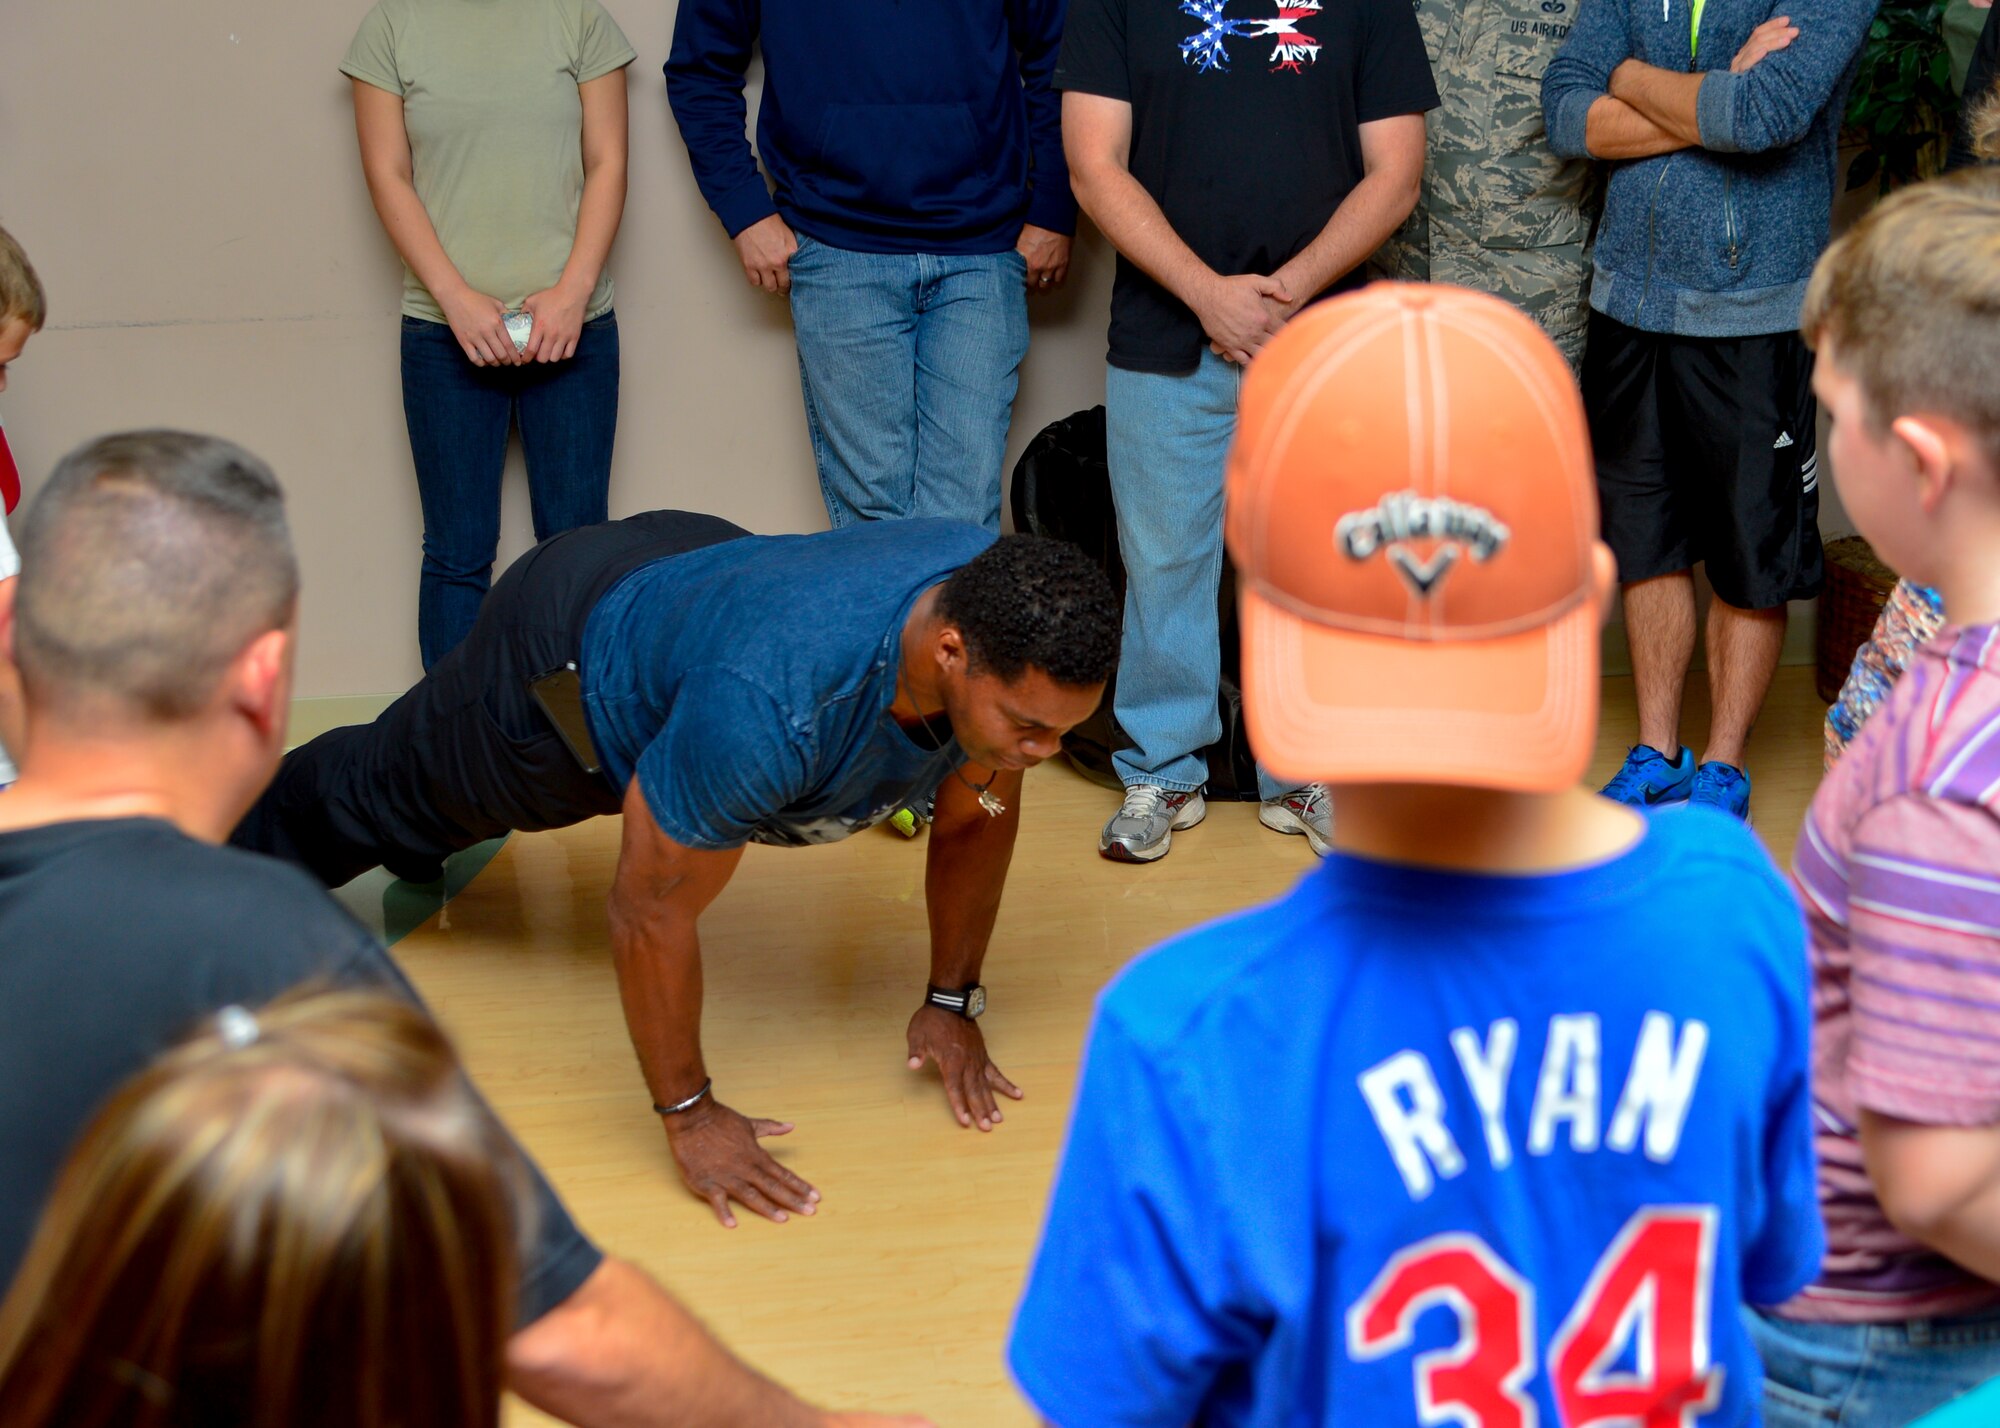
<point x="459" y="414"/>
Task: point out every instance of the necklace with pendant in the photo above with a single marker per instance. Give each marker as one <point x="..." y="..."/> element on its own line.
<point x="988" y="799"/>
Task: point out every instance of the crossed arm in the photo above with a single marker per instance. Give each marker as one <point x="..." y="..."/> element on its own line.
<point x="1647" y="110"/>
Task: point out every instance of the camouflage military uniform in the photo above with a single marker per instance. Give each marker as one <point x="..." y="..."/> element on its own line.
<point x="1499" y="212"/>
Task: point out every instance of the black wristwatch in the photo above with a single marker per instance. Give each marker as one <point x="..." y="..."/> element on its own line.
<point x="967" y="1002"/>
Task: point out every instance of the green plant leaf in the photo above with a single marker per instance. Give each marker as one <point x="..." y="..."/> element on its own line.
<point x="1901" y="93"/>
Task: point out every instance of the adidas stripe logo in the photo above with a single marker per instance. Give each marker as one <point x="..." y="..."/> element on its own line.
<point x="1784" y="440"/>
<point x="1809" y="473"/>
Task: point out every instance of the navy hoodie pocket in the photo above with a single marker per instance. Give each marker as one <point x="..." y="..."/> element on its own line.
<point x="902" y="158"/>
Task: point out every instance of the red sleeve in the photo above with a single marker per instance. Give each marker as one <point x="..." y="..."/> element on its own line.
<point x="10" y="476"/>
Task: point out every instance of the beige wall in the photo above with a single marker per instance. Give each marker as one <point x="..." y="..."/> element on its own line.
<point x="184" y="177"/>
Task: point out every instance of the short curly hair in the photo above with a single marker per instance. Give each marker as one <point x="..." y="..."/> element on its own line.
<point x="1032" y="602"/>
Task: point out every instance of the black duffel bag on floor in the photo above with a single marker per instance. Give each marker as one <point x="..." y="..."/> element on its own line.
<point x="1062" y="488"/>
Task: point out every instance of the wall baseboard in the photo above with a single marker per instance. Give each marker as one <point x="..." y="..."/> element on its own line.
<point x="312" y="717"/>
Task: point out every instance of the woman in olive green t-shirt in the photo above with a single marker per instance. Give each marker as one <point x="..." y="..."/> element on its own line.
<point x="493" y="137"/>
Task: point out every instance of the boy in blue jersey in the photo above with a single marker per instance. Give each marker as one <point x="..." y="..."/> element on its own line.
<point x="1500" y="1115"/>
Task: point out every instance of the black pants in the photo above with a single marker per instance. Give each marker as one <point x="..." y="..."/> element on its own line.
<point x="1706" y="454"/>
<point x="467" y="754"/>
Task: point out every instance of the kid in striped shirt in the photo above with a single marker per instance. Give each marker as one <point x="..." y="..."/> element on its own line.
<point x="1898" y="866"/>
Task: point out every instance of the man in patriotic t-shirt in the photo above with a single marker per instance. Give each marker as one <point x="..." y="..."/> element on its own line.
<point x="1244" y="157"/>
<point x="1502" y="1113"/>
<point x="1899" y="861"/>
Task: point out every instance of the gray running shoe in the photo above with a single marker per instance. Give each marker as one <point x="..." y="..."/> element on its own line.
<point x="1305" y="810"/>
<point x="1144" y="824"/>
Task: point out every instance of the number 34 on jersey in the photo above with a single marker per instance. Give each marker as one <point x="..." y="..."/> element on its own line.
<point x="1646" y="1303"/>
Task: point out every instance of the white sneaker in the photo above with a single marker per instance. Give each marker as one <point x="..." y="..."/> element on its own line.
<point x="1305" y="810"/>
<point x="1143" y="827"/>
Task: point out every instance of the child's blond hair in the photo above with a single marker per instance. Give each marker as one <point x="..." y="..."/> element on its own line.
<point x="1982" y="126"/>
<point x="21" y="296"/>
<point x="1910" y="299"/>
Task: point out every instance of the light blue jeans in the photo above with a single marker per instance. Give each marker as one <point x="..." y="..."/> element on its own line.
<point x="1870" y="1375"/>
<point x="1167" y="437"/>
<point x="909" y="362"/>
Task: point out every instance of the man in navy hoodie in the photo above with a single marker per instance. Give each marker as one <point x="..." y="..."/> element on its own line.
<point x="918" y="193"/>
<point x="1721" y="118"/>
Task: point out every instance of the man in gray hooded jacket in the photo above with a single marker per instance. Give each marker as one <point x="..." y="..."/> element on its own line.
<point x="1720" y="119"/>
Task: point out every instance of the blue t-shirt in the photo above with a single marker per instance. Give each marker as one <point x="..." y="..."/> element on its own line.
<point x="1410" y="1146"/>
<point x="747" y="685"/>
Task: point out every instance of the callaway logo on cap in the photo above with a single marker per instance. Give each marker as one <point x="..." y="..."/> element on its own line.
<point x="1413" y="514"/>
<point x="1406" y="516"/>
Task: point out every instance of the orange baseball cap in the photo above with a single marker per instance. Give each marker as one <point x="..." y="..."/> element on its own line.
<point x="1412" y="511"/>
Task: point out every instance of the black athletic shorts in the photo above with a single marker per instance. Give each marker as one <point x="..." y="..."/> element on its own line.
<point x="468" y="754"/>
<point x="1707" y="453"/>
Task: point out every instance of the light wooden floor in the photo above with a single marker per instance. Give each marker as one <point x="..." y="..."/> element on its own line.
<point x="899" y="1294"/>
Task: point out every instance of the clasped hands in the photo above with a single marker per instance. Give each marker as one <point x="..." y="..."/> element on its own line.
<point x="1240" y="314"/>
<point x="479" y="322"/>
<point x="720" y="1160"/>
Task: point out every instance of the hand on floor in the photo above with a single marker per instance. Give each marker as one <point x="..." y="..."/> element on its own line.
<point x="970" y="1077"/>
<point x="719" y="1158"/>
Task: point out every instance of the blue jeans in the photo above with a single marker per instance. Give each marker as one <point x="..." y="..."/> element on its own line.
<point x="458" y="416"/>
<point x="1167" y="437"/>
<point x="909" y="363"/>
<point x="1870" y="1375"/>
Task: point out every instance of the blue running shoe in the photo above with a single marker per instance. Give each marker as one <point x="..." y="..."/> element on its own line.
<point x="1648" y="780"/>
<point x="1722" y="786"/>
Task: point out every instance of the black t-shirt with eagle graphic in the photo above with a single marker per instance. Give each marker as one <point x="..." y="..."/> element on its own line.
<point x="1246" y="118"/>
